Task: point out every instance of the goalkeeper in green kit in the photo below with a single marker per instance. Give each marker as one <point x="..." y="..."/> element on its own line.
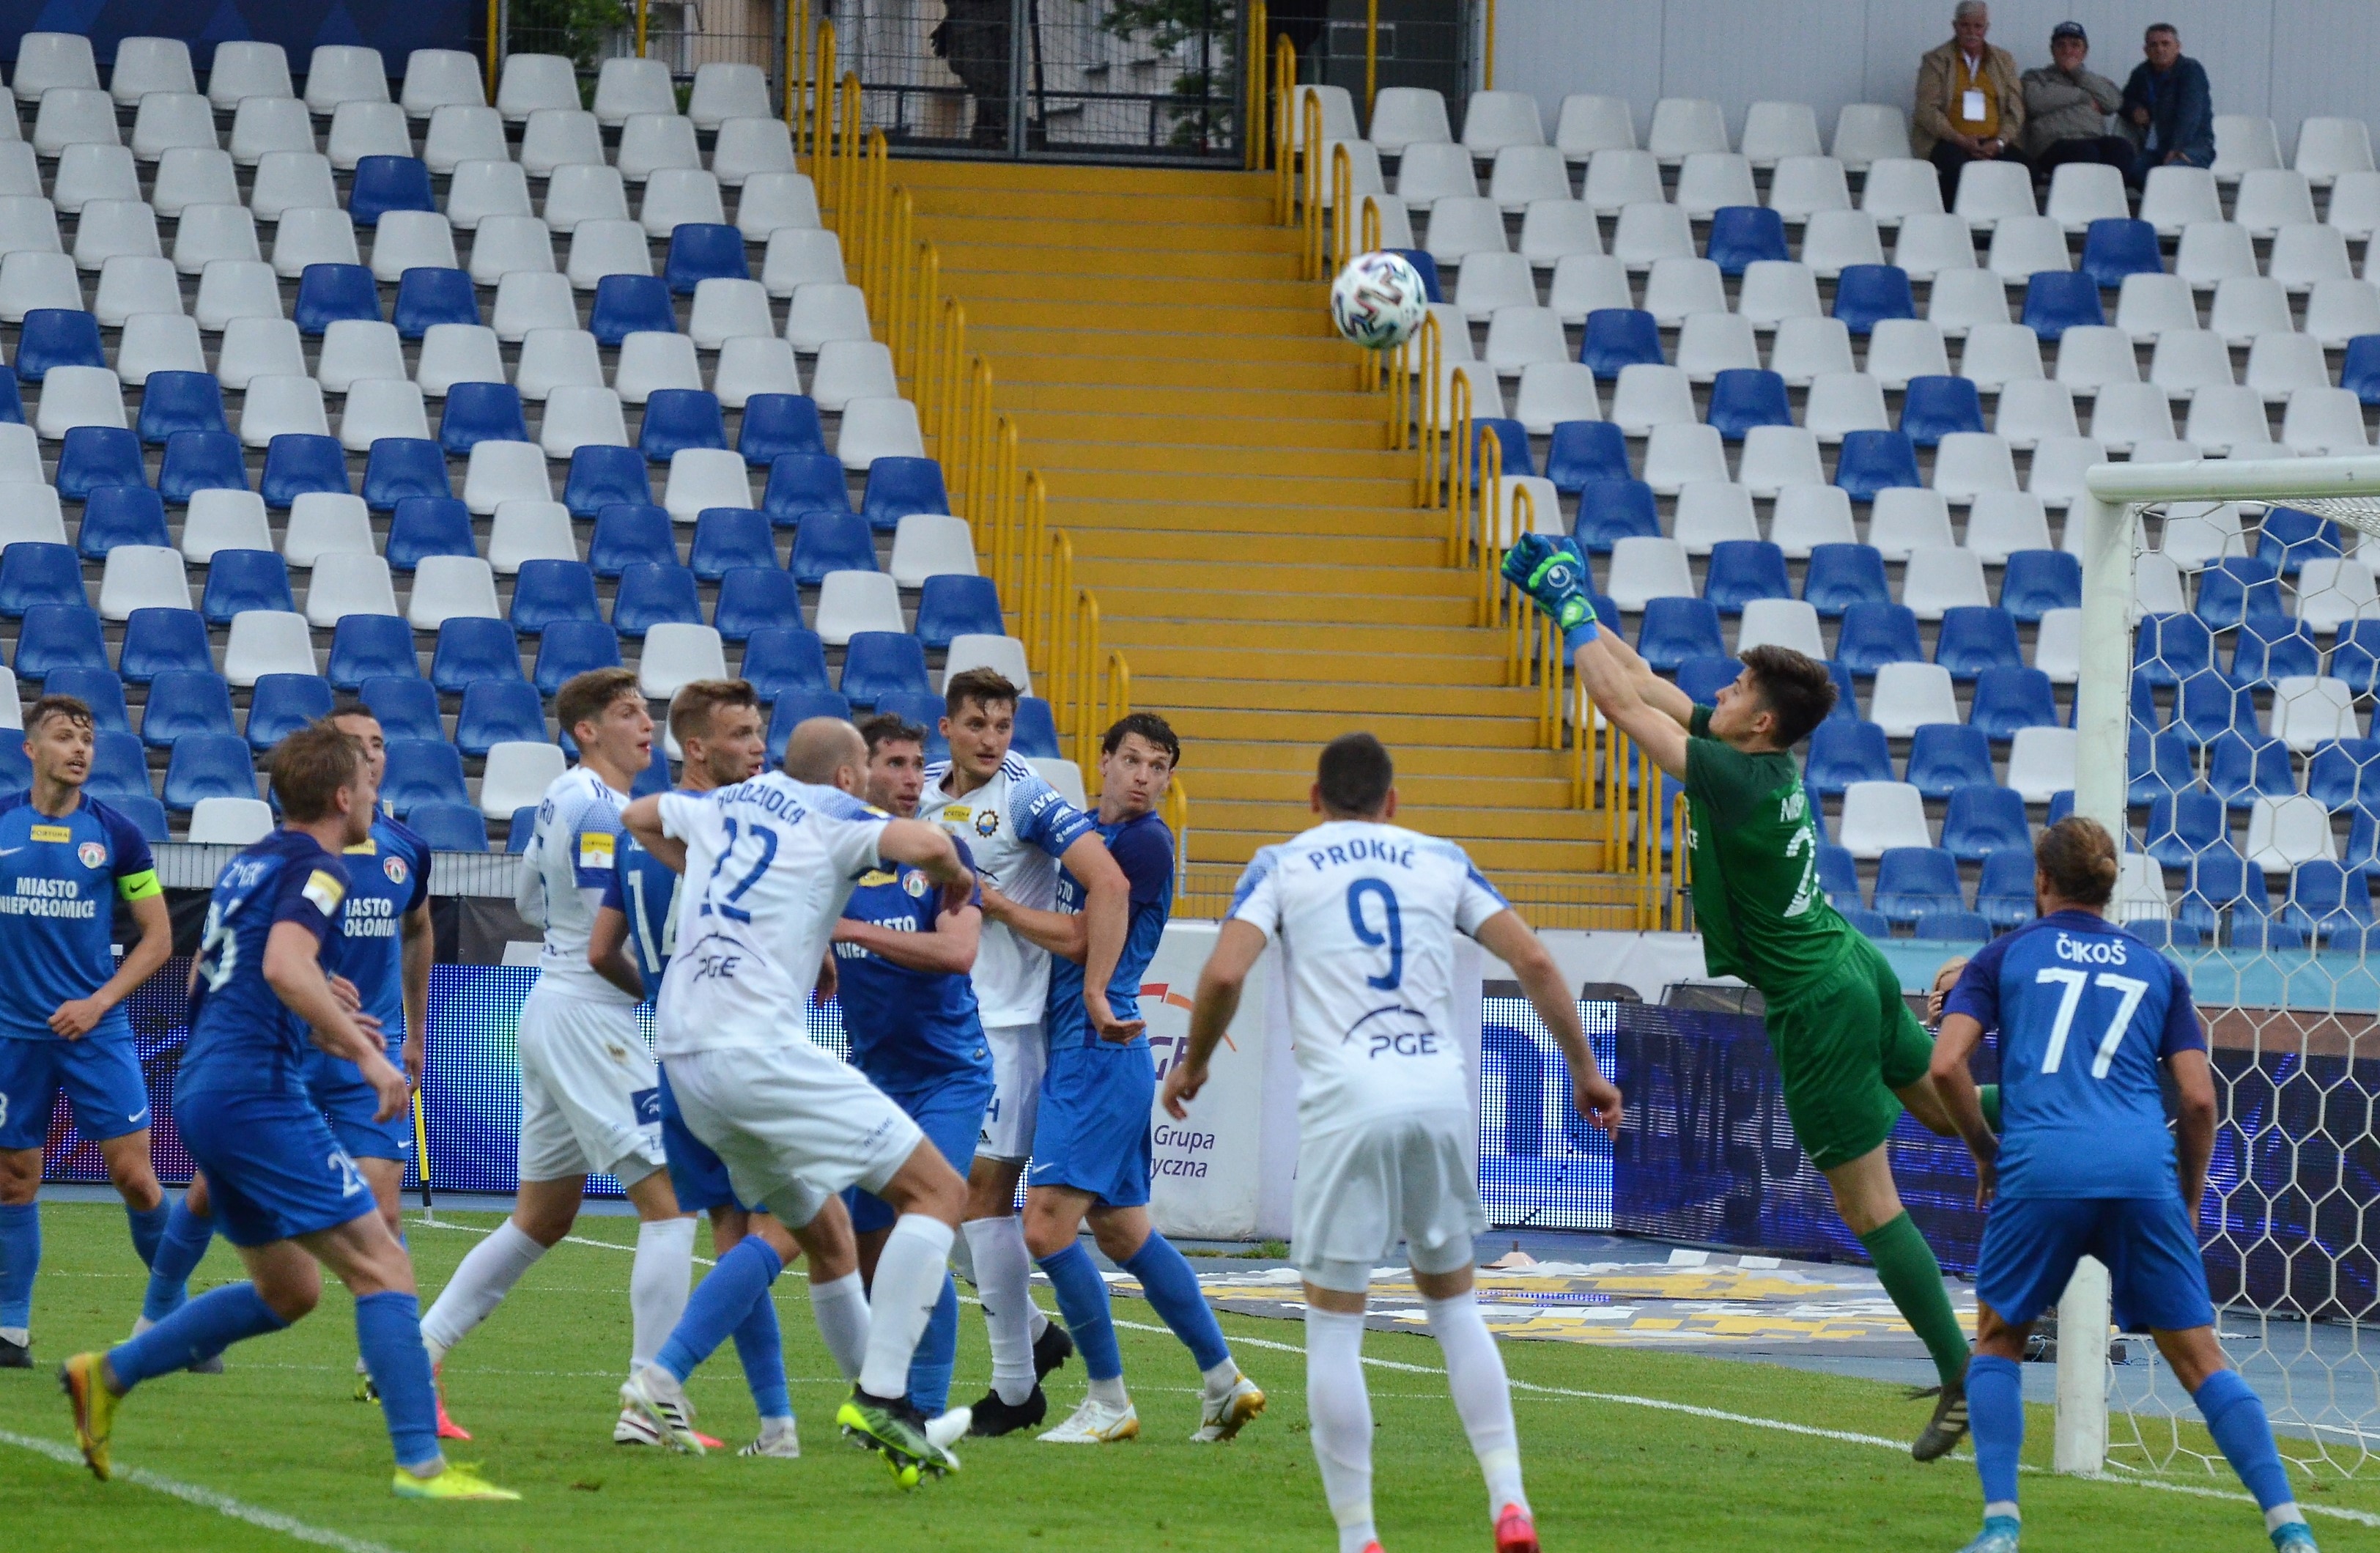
<point x="1851" y="1053"/>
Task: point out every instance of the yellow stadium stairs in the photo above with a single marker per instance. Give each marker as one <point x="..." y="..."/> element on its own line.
<point x="1230" y="496"/>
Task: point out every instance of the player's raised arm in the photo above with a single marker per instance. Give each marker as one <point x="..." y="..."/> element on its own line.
<point x="1508" y="938"/>
<point x="949" y="950"/>
<point x="1553" y="574"/>
<point x="1106" y="917"/>
<point x="1060" y="932"/>
<point x="1238" y="947"/>
<point x="643" y="821"/>
<point x="927" y="848"/>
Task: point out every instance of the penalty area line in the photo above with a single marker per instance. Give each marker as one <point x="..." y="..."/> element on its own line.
<point x="205" y="1498"/>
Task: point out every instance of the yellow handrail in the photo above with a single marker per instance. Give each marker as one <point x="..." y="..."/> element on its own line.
<point x="1478" y="497"/>
<point x="822" y="105"/>
<point x="1285" y="141"/>
<point x="797" y="21"/>
<point x="641" y="7"/>
<point x="1310" y="182"/>
<point x="495" y="44"/>
<point x="1252" y="49"/>
<point x="1681" y="864"/>
<point x="849" y="135"/>
<point x="1487" y="53"/>
<point x="1429" y="348"/>
<point x="1342" y="200"/>
<point x="1174" y="809"/>
<point x="1371" y="56"/>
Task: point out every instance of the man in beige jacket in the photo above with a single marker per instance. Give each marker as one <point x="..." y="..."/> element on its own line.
<point x="1970" y="104"/>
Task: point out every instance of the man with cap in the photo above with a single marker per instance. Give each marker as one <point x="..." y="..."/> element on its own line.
<point x="2066" y="108"/>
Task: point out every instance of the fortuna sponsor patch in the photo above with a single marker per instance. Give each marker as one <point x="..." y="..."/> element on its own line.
<point x="326" y="892"/>
<point x="595" y="849"/>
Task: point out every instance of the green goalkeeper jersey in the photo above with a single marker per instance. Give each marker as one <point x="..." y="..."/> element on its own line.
<point x="1758" y="902"/>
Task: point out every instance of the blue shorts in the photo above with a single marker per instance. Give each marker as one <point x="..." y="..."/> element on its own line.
<point x="949" y="1112"/>
<point x="101" y="1075"/>
<point x="2031" y="1243"/>
<point x="349" y="1102"/>
<point x="274" y="1169"/>
<point x="1093" y="1132"/>
<point x="696" y="1173"/>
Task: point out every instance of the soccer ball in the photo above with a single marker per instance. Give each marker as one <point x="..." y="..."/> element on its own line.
<point x="1378" y="300"/>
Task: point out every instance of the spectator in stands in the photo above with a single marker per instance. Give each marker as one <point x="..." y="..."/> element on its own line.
<point x="2168" y="108"/>
<point x="2066" y="108"/>
<point x="1970" y="106"/>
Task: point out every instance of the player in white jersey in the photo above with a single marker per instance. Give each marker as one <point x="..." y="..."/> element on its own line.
<point x="768" y="865"/>
<point x="1017" y="830"/>
<point x="1365" y="912"/>
<point x="590" y="1099"/>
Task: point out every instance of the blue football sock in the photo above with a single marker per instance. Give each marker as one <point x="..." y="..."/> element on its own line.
<point x="1996" y="1419"/>
<point x="720" y="1304"/>
<point x="147" y="1227"/>
<point x="1165" y="1277"/>
<point x="2235" y="1416"/>
<point x="762" y="1348"/>
<point x="388" y="1334"/>
<point x="178" y="1253"/>
<point x="937" y="1355"/>
<point x="200" y="1330"/>
<point x="1083" y="1300"/>
<point x="20" y="1258"/>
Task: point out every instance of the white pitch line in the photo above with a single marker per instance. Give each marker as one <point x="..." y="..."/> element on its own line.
<point x="568" y="1240"/>
<point x="205" y="1498"/>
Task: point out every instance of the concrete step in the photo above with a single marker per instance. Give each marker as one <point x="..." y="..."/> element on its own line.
<point x="1126" y="601"/>
<point x="1233" y="664"/>
<point x="1290" y="550"/>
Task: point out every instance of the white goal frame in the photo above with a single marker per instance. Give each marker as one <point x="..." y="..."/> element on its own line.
<point x="2105" y="542"/>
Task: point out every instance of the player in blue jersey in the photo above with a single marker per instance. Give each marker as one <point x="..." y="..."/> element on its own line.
<point x="1091" y="1141"/>
<point x="65" y="861"/>
<point x="2083" y="1165"/>
<point x="285" y="1193"/>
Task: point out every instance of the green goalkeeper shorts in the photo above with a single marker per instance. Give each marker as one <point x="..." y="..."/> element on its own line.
<point x="1843" y="1045"/>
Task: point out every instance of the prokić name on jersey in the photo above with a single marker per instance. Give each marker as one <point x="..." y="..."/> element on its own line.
<point x="49" y="897"/>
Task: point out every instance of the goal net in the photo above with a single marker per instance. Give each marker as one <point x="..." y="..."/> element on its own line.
<point x="2227" y="656"/>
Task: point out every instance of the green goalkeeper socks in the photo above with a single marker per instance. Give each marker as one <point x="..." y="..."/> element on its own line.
<point x="1990" y="1095"/>
<point x="1905" y="1266"/>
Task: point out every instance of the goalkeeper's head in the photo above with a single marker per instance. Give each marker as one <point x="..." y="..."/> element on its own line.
<point x="1774" y="704"/>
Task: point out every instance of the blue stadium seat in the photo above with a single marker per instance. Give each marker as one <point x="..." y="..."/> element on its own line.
<point x="2360" y="371"/>
<point x="2144" y="713"/>
<point x="2004" y="894"/>
<point x="803" y="483"/>
<point x="245" y="579"/>
<point x="1703" y="677"/>
<point x="2113" y="248"/>
<point x="753" y="599"/>
<point x="328" y="293"/>
<point x="1843" y="753"/>
<point x="522" y="828"/>
<point x="1953" y="926"/>
<point x="56" y="337"/>
<point x="572" y="647"/>
<point x="777" y="424"/>
<point x="1610" y="510"/>
<point x="794" y="708"/>
<point x="2363" y="840"/>
<point x="879" y="663"/>
<point x="652" y="780"/>
<point x="146" y="814"/>
<point x="2345" y="774"/>
<point x="12" y="400"/>
<point x="1936" y="406"/>
<point x="1913" y="880"/>
<point x="2157" y="763"/>
<point x="1512" y="447"/>
<point x="481" y="412"/>
<point x="402" y="469"/>
<point x="2221" y="881"/>
<point x="828" y="543"/>
<point x="677" y="418"/>
<point x="952" y="605"/>
<point x="1867" y="924"/>
<point x="2169" y="648"/>
<point x="548" y="591"/>
<point x="1742" y="570"/>
<point x="424" y="526"/>
<point x="1865" y="295"/>
<point x="628" y="534"/>
<point x="1842" y="575"/>
<point x="449" y="827"/>
<point x="97" y="688"/>
<point x="172" y="401"/>
<point x="93" y="457"/>
<point x="602" y="476"/>
<point x="198" y="461"/>
<point x="1743" y="235"/>
<point x="2355" y="656"/>
<point x="1674" y="630"/>
<point x="119" y="768"/>
<point x="422" y="771"/>
<point x="925" y="711"/>
<point x="406" y="706"/>
<point x="2331" y="902"/>
<point x="209" y="766"/>
<point x="1975" y="638"/>
<point x="2239" y="588"/>
<point x="1618" y="337"/>
<point x="369" y="647"/>
<point x="1744" y="397"/>
<point x="2181" y="825"/>
<point x="699" y="251"/>
<point x="1424" y="266"/>
<point x="32" y="573"/>
<point x="427" y="296"/>
<point x="120" y="514"/>
<point x="56" y="636"/>
<point x="898" y="486"/>
<point x="299" y="463"/>
<point x="389" y="183"/>
<point x="158" y="640"/>
<point x="1874" y="634"/>
<point x="2287" y="539"/>
<point x="1983" y="819"/>
<point x="498" y="711"/>
<point x="627" y="304"/>
<point x="2211" y="706"/>
<point x="726" y="538"/>
<point x="650" y="596"/>
<point x="2056" y="301"/>
<point x="473" y="647"/>
<point x="1945" y="757"/>
<point x="2007" y="699"/>
<point x="2242" y="770"/>
<point x="1838" y="876"/>
<point x="779" y="659"/>
<point x="2037" y="581"/>
<point x="186" y="702"/>
<point x="1585" y="450"/>
<point x="283" y="703"/>
<point x="2260" y="658"/>
<point x="1037" y="729"/>
<point x="1872" y="460"/>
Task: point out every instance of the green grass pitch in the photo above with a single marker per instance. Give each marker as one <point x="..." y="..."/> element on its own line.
<point x="537" y="1385"/>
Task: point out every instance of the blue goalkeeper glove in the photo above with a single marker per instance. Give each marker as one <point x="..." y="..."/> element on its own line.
<point x="1553" y="574"/>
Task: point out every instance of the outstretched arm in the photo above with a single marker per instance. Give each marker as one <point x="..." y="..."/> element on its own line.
<point x="1656" y="721"/>
<point x="949" y="950"/>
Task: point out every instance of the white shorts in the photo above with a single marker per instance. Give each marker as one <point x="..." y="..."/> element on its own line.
<point x="792" y="1123"/>
<point x="1362" y="1188"/>
<point x="1019" y="1055"/>
<point x="590" y="1099"/>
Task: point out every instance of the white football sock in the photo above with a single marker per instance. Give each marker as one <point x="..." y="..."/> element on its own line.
<point x="909" y="1273"/>
<point x="1474" y="1372"/>
<point x="1003" y="1280"/>
<point x="658" y="1282"/>
<point x="1110" y="1391"/>
<point x="839" y="1308"/>
<point x="1037" y="1323"/>
<point x="1339" y="1414"/>
<point x="487" y="1274"/>
<point x="1220" y="1380"/>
